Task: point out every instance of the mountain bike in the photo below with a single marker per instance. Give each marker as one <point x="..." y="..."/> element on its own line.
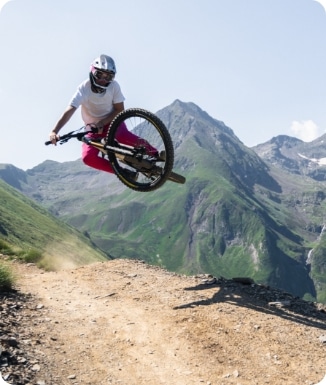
<point x="133" y="166"/>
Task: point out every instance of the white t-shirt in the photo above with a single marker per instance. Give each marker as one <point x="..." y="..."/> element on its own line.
<point x="94" y="106"/>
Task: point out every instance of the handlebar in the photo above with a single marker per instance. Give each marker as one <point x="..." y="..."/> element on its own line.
<point x="64" y="138"/>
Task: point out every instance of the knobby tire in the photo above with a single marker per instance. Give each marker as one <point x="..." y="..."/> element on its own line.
<point x="149" y="127"/>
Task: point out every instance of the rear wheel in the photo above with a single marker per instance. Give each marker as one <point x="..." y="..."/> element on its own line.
<point x="150" y="139"/>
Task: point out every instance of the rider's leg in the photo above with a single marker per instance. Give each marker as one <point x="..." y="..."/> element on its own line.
<point x="125" y="136"/>
<point x="90" y="156"/>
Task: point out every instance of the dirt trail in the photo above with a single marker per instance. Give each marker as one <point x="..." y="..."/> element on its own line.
<point x="124" y="322"/>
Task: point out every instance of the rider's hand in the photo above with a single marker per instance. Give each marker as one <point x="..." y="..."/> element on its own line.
<point x="99" y="129"/>
<point x="94" y="128"/>
<point x="54" y="137"/>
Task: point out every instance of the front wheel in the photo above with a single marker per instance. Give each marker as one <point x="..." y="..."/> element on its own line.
<point x="148" y="139"/>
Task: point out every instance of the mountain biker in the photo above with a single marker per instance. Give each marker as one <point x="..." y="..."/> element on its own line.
<point x="100" y="99"/>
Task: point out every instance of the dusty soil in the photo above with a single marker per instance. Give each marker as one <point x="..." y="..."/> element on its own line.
<point x="124" y="322"/>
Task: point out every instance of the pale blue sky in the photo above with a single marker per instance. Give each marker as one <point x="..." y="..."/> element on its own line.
<point x="257" y="65"/>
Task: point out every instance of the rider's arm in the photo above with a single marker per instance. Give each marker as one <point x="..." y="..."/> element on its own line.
<point x="117" y="108"/>
<point x="61" y="122"/>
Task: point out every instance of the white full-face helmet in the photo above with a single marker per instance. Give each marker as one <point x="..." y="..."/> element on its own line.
<point x="102" y="73"/>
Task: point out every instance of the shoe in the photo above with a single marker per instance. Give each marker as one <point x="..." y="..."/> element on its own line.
<point x="133" y="175"/>
<point x="161" y="156"/>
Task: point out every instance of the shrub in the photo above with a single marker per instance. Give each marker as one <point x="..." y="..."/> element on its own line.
<point x="6" y="278"/>
<point x="30" y="256"/>
<point x="5" y="248"/>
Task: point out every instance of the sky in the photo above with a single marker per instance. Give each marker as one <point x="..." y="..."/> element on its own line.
<point x="257" y="65"/>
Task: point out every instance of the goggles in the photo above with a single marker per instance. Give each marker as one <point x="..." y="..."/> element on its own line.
<point x="103" y="75"/>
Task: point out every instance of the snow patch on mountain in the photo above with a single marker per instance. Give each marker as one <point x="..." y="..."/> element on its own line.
<point x="320" y="162"/>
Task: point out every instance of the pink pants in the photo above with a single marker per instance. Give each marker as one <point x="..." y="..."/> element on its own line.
<point x="90" y="155"/>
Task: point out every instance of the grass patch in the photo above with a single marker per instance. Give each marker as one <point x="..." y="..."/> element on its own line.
<point x="29" y="255"/>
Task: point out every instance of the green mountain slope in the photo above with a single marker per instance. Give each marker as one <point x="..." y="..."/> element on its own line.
<point x="236" y="216"/>
<point x="301" y="170"/>
<point x="26" y="225"/>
